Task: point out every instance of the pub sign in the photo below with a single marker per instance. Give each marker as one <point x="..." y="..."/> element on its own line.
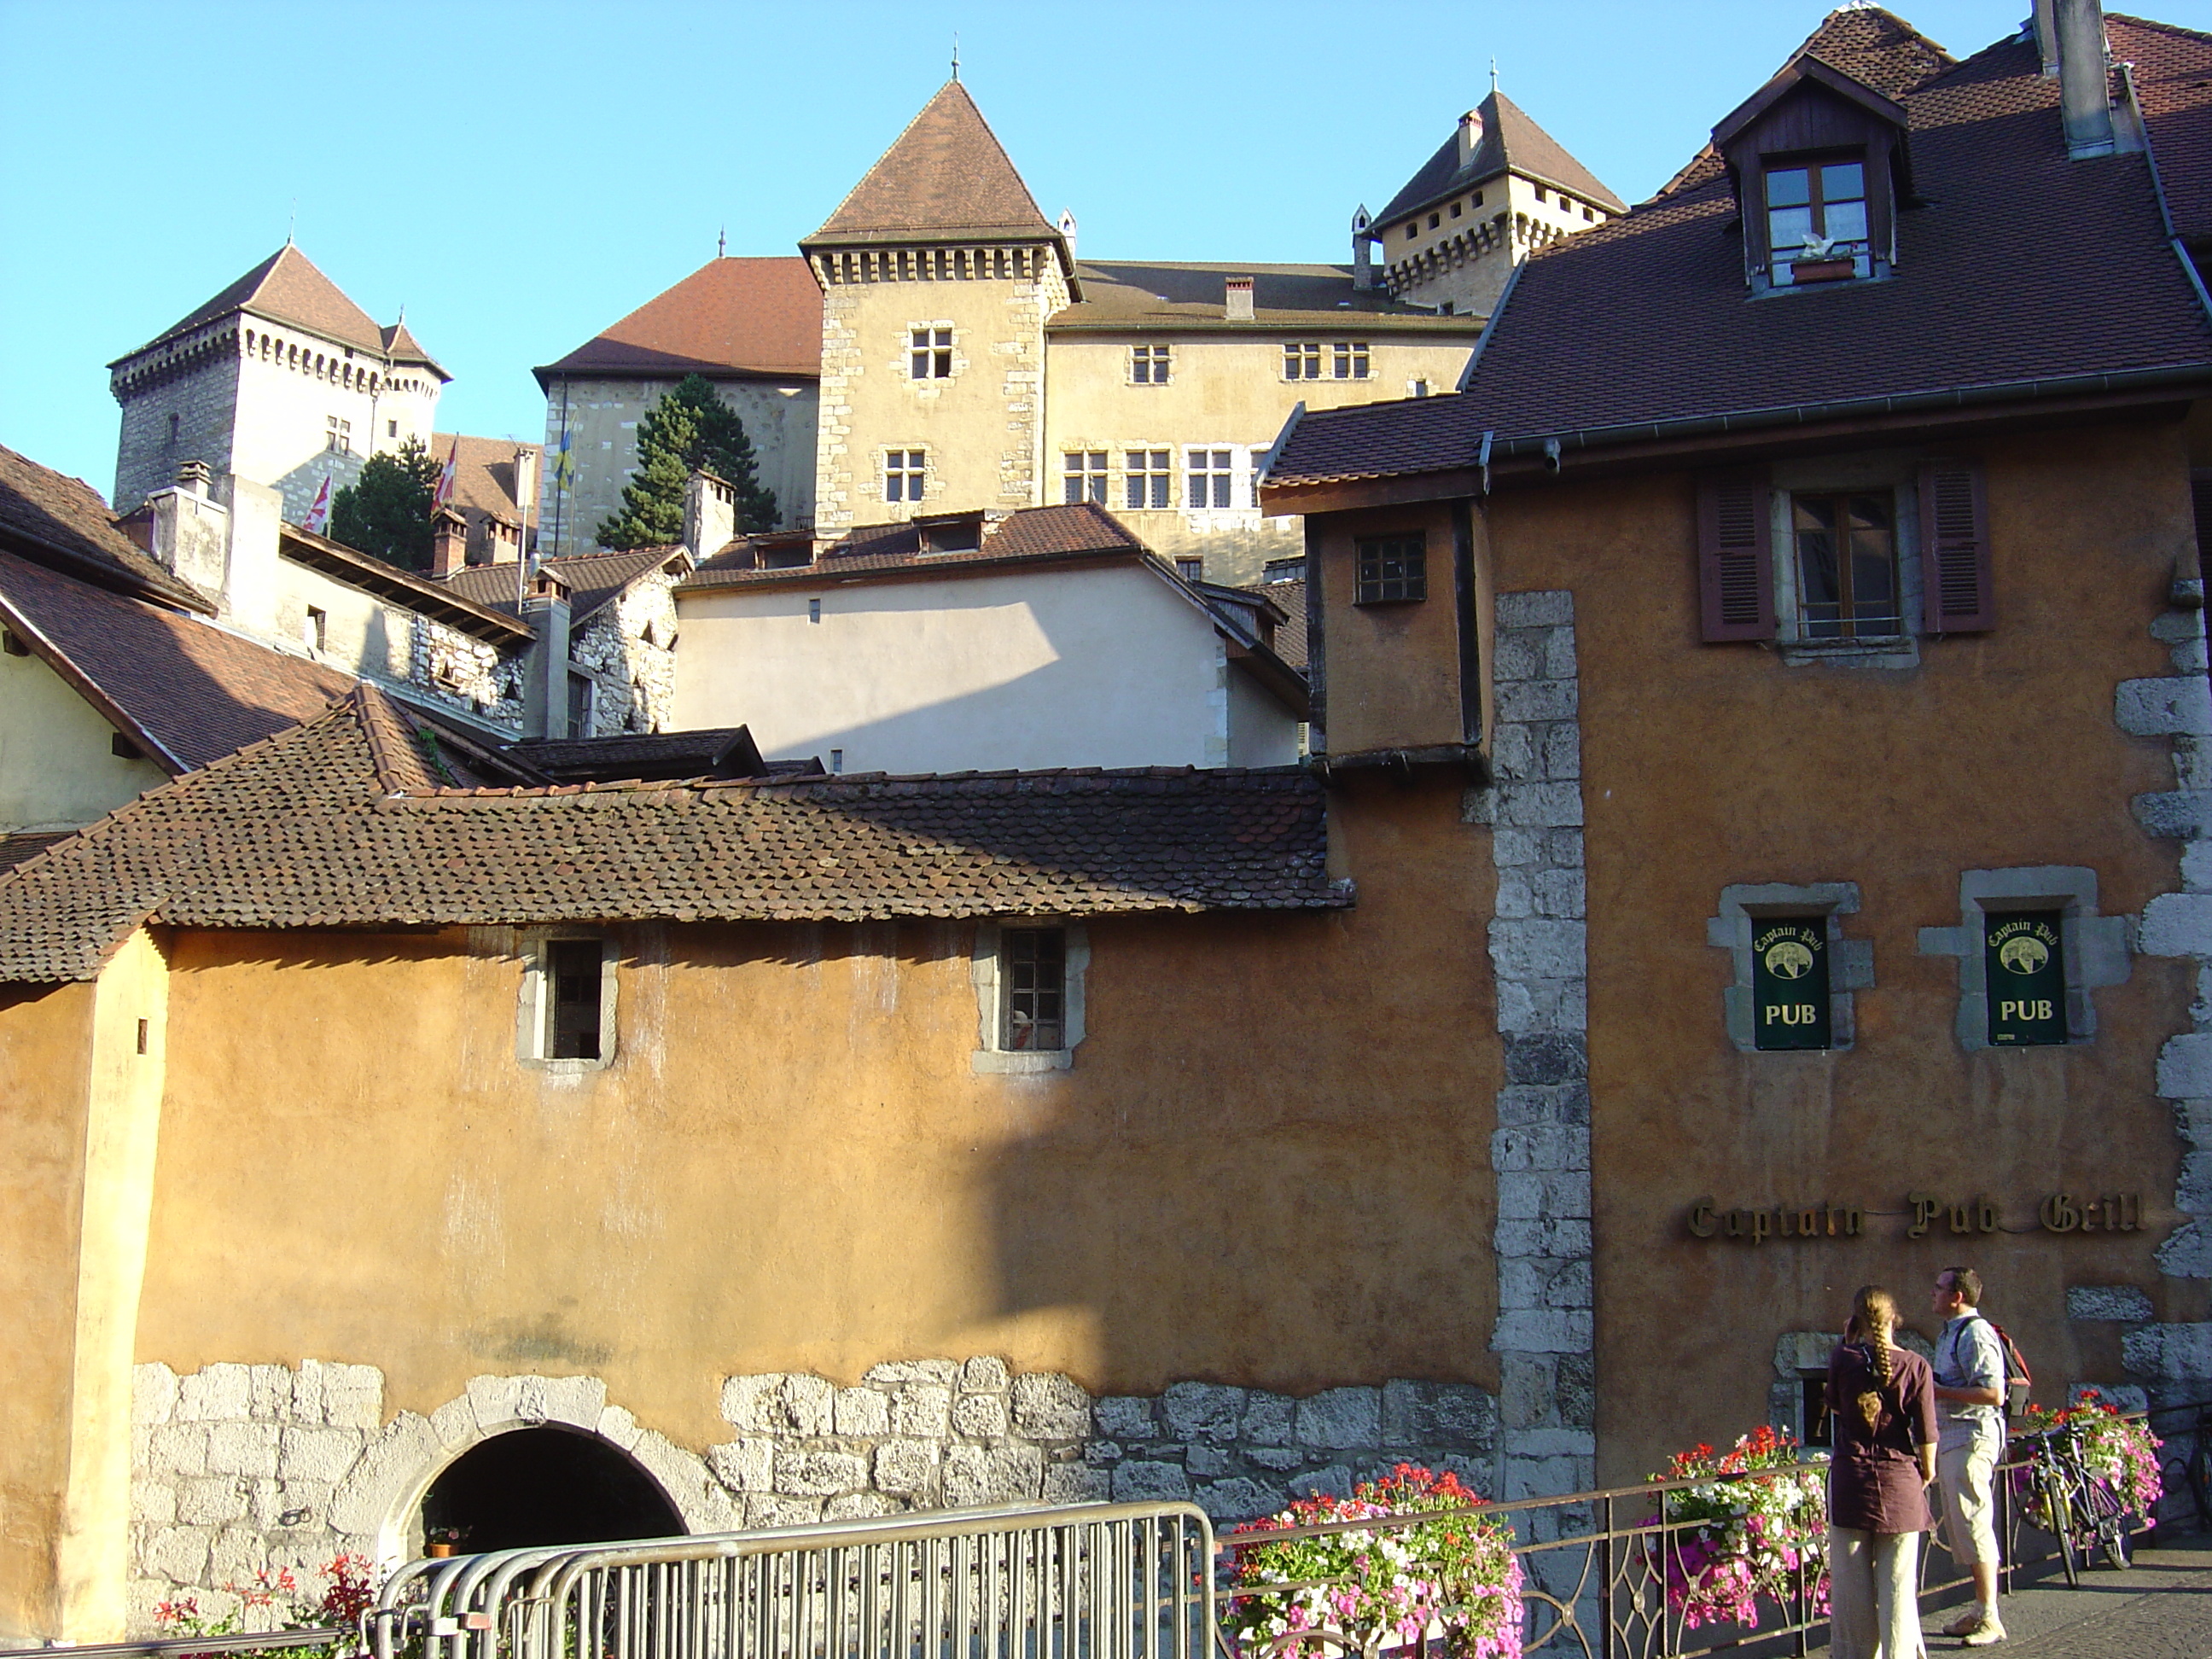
<point x="1789" y="982"/>
<point x="2026" y="967"/>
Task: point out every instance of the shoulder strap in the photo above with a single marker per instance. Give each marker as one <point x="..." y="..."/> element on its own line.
<point x="2016" y="1364"/>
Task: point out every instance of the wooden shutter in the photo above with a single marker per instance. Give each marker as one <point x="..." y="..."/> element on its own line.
<point x="1954" y="549"/>
<point x="1735" y="562"/>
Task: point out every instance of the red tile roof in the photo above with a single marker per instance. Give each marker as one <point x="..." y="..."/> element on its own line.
<point x="484" y="482"/>
<point x="2173" y="79"/>
<point x="1029" y="535"/>
<point x="188" y="690"/>
<point x="62" y="521"/>
<point x="595" y="580"/>
<point x="946" y="175"/>
<point x="287" y="288"/>
<point x="338" y="823"/>
<point x="1645" y="321"/>
<point x="759" y="317"/>
<point x="1511" y="142"/>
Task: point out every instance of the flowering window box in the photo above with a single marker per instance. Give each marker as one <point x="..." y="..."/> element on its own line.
<point x="1822" y="270"/>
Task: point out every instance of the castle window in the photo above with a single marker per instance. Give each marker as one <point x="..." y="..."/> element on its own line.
<point x="391" y="428"/>
<point x="1412" y="229"/>
<point x="1475" y="200"/>
<point x="1148" y="365"/>
<point x="172" y="428"/>
<point x="1392" y="569"/>
<point x="340" y="437"/>
<point x="1816" y="220"/>
<point x="1301" y="360"/>
<point x="1586" y="213"/>
<point x="904" y="472"/>
<point x="1209" y="479"/>
<point x="1144" y="477"/>
<point x="1349" y="358"/>
<point x="1455" y="209"/>
<point x="1085" y="479"/>
<point x="1435" y="220"/>
<point x="931" y="354"/>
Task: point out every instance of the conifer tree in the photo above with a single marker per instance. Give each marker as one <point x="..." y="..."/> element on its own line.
<point x="387" y="514"/>
<point x="689" y="428"/>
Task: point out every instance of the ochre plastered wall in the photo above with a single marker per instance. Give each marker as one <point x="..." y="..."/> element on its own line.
<point x="1393" y="670"/>
<point x="1268" y="1164"/>
<point x="1706" y="766"/>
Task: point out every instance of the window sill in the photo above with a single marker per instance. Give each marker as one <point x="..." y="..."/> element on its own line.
<point x="565" y="1067"/>
<point x="1004" y="1062"/>
<point x="1885" y="651"/>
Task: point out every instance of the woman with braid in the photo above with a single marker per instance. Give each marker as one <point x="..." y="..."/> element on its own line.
<point x="1881" y="1403"/>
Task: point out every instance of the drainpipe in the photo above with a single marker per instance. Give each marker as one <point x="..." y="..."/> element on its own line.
<point x="2084" y="77"/>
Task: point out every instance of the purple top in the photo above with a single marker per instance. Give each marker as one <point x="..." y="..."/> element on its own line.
<point x="1874" y="1484"/>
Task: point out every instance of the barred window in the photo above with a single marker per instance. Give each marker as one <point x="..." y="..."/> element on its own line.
<point x="1145" y="474"/>
<point x="1033" y="981"/>
<point x="931" y="354"/>
<point x="1349" y="357"/>
<point x="1210" y="481"/>
<point x="1393" y="568"/>
<point x="1301" y="360"/>
<point x="904" y="472"/>
<point x="1148" y="365"/>
<point x="1084" y="478"/>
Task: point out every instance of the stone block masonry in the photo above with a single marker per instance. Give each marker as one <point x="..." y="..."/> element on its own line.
<point x="239" y="1467"/>
<point x="1545" y="1336"/>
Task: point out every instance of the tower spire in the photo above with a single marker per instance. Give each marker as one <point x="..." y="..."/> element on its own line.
<point x="956" y="54"/>
<point x="1493" y="73"/>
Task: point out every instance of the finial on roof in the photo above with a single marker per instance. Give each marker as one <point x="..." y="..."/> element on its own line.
<point x="292" y="224"/>
<point x="722" y="243"/>
<point x="956" y="54"/>
<point x="1493" y="72"/>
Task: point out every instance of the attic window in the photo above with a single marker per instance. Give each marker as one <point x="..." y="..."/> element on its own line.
<point x="1816" y="220"/>
<point x="962" y="535"/>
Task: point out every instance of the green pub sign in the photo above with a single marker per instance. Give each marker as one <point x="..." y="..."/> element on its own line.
<point x="2027" y="973"/>
<point x="1789" y="982"/>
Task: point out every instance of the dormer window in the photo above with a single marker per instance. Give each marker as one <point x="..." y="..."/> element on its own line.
<point x="1816" y="220"/>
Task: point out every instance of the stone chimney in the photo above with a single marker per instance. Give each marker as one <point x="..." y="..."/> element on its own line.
<point x="189" y="530"/>
<point x="251" y="577"/>
<point x="2084" y="77"/>
<point x="545" y="669"/>
<point x="1363" y="251"/>
<point x="1470" y="135"/>
<point x="449" y="542"/>
<point x="710" y="515"/>
<point x="1237" y="299"/>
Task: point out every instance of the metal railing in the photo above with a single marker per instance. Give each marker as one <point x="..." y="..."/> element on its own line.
<point x="1109" y="1581"/>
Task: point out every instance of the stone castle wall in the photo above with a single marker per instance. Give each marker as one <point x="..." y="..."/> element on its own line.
<point x="239" y="1467"/>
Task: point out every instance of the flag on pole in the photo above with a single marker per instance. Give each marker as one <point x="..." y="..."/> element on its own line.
<point x="444" y="494"/>
<point x="319" y="515"/>
<point x="564" y="467"/>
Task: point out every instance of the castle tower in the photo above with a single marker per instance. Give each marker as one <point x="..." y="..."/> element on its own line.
<point x="1497" y="190"/>
<point x="937" y="273"/>
<point x="279" y="379"/>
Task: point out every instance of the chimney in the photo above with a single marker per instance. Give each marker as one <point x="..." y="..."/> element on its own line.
<point x="188" y="531"/>
<point x="710" y="515"/>
<point x="545" y="668"/>
<point x="526" y="499"/>
<point x="2084" y="77"/>
<point x="1067" y="229"/>
<point x="2046" y="35"/>
<point x="251" y="577"/>
<point x="449" y="542"/>
<point x="1237" y="299"/>
<point x="1363" y="251"/>
<point x="1470" y="135"/>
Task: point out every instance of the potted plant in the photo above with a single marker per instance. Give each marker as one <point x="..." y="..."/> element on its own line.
<point x="1734" y="1537"/>
<point x="442" y="1541"/>
<point x="1819" y="262"/>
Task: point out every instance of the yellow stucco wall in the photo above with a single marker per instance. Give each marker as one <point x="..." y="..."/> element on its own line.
<point x="57" y="770"/>
<point x="1267" y="1165"/>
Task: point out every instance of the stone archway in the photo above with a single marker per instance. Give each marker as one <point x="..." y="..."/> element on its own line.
<point x="541" y="1485"/>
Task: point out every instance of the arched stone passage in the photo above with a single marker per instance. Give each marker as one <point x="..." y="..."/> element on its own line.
<point x="546" y="1485"/>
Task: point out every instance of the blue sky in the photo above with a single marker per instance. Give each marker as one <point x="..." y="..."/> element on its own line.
<point x="519" y="176"/>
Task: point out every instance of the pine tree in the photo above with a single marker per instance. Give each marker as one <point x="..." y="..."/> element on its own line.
<point x="387" y="514"/>
<point x="689" y="428"/>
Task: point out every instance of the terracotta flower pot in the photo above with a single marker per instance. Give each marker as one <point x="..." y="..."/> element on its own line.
<point x="437" y="1551"/>
<point x="1820" y="271"/>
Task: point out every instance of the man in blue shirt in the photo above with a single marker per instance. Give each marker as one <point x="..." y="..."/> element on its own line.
<point x="1970" y="1382"/>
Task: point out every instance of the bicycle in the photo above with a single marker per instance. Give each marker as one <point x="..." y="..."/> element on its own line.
<point x="2080" y="1511"/>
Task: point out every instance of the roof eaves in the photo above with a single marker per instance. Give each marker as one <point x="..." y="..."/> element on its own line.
<point x="85" y="686"/>
<point x="366" y="571"/>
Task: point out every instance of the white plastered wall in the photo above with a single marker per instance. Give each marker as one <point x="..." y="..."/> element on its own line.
<point x="57" y="770"/>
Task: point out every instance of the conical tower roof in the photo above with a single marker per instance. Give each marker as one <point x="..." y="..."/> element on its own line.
<point x="946" y="176"/>
<point x="1512" y="142"/>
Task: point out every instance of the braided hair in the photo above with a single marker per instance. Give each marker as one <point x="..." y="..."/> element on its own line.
<point x="1873" y="1314"/>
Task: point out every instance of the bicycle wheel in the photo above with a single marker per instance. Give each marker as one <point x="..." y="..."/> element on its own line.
<point x="2113" y="1539"/>
<point x="2060" y="1514"/>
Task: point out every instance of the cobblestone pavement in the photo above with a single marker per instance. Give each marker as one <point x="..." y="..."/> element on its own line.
<point x="2160" y="1609"/>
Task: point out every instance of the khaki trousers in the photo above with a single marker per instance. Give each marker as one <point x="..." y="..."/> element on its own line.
<point x="1874" y="1595"/>
<point x="1968" y="1473"/>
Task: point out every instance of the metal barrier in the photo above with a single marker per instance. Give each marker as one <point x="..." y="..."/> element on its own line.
<point x="1107" y="1580"/>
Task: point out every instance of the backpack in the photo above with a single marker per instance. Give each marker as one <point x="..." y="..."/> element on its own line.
<point x="2018" y="1378"/>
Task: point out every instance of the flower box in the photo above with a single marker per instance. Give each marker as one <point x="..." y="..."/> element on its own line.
<point x="1822" y="270"/>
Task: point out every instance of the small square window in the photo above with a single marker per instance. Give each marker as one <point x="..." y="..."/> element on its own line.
<point x="931" y="353"/>
<point x="1455" y="209"/>
<point x="1209" y="478"/>
<point x="1149" y="365"/>
<point x="1301" y="360"/>
<point x="1083" y="477"/>
<point x="1033" y="984"/>
<point x="1392" y="569"/>
<point x="1349" y="358"/>
<point x="904" y="471"/>
<point x="1413" y="230"/>
<point x="1475" y="200"/>
<point x="1144" y="477"/>
<point x="1434" y="221"/>
<point x="316" y="630"/>
<point x="1540" y="196"/>
<point x="1191" y="570"/>
<point x="392" y="429"/>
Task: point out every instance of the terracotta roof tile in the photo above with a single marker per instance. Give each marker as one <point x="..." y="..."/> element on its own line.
<point x="945" y="175"/>
<point x="197" y="691"/>
<point x="1646" y="319"/>
<point x="289" y="289"/>
<point x="730" y="316"/>
<point x="304" y="831"/>
<point x="1512" y="142"/>
<point x="595" y="580"/>
<point x="484" y="482"/>
<point x="60" y="520"/>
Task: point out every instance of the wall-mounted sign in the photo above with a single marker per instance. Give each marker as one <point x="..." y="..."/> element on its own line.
<point x="2058" y="1212"/>
<point x="2026" y="970"/>
<point x="1790" y="983"/>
